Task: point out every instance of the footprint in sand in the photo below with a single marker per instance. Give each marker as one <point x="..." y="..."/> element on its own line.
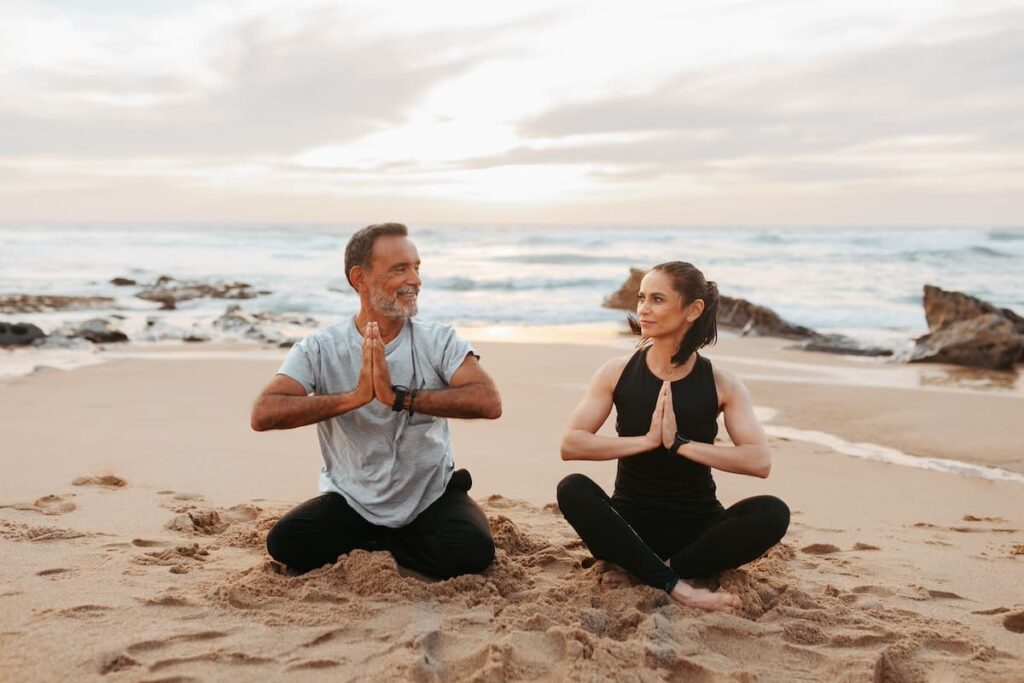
<point x="1014" y="622"/>
<point x="116" y="662"/>
<point x="820" y="549"/>
<point x="108" y="481"/>
<point x="973" y="518"/>
<point x="53" y="572"/>
<point x="47" y="505"/>
<point x="994" y="610"/>
<point x="143" y="543"/>
<point x="865" y="546"/>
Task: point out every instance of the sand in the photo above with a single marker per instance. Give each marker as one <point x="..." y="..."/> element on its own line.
<point x="136" y="501"/>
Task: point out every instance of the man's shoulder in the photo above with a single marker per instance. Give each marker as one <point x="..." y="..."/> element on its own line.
<point x="340" y="333"/>
<point x="432" y="328"/>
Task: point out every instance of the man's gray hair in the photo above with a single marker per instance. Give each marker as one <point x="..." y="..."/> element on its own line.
<point x="359" y="249"/>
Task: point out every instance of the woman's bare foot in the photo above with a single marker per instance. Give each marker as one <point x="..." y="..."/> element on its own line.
<point x="702" y="598"/>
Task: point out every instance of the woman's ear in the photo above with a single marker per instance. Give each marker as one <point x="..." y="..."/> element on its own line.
<point x="694" y="310"/>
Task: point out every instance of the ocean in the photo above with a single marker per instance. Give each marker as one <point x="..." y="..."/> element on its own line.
<point x="865" y="282"/>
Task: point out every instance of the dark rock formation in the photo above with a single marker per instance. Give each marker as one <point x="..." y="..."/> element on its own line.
<point x="123" y="282"/>
<point x="34" y="303"/>
<point x="758" y="321"/>
<point x="942" y="308"/>
<point x="158" y="330"/>
<point x="750" y="319"/>
<point x="269" y="328"/>
<point x="625" y="297"/>
<point x="97" y="330"/>
<point x="968" y="331"/>
<point x="837" y="343"/>
<point x="169" y="292"/>
<point x="19" y="334"/>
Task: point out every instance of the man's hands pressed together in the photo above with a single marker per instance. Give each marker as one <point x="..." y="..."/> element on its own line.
<point x="374" y="375"/>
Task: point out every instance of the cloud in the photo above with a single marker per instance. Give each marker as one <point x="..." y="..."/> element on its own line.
<point x="265" y="90"/>
<point x="965" y="92"/>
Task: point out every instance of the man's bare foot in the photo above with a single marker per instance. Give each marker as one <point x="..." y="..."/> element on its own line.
<point x="611" y="575"/>
<point x="702" y="598"/>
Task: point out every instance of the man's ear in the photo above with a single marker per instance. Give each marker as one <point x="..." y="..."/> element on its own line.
<point x="357" y="276"/>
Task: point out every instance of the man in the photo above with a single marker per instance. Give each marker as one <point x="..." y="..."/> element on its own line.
<point x="379" y="387"/>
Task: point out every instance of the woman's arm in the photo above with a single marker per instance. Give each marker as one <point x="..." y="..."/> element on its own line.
<point x="750" y="454"/>
<point x="581" y="441"/>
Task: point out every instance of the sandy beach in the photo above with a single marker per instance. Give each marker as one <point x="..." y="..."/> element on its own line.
<point x="136" y="501"/>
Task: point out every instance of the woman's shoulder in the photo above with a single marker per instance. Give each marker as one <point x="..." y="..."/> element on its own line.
<point x="611" y="372"/>
<point x="726" y="382"/>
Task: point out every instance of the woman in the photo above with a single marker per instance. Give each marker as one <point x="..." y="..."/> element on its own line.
<point x="668" y="397"/>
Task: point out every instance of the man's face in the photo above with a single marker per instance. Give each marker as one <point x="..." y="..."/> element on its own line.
<point x="393" y="280"/>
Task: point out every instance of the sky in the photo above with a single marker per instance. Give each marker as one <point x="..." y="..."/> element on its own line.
<point x="688" y="112"/>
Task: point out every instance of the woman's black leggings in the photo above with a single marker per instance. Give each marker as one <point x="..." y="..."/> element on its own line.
<point x="696" y="545"/>
<point x="449" y="538"/>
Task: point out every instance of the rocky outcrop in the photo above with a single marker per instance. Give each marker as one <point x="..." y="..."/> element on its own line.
<point x="942" y="308"/>
<point x="159" y="330"/>
<point x="750" y="319"/>
<point x="968" y="331"/>
<point x="280" y="329"/>
<point x="169" y="292"/>
<point x="758" y="321"/>
<point x="40" y="303"/>
<point x="123" y="282"/>
<point x="739" y="314"/>
<point x="19" y="334"/>
<point x="96" y="330"/>
<point x="625" y="297"/>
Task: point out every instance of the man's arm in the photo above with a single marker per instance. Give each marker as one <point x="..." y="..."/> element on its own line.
<point x="470" y="394"/>
<point x="283" y="404"/>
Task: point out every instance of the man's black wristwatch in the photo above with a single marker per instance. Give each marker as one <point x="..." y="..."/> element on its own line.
<point x="400" y="393"/>
<point x="677" y="442"/>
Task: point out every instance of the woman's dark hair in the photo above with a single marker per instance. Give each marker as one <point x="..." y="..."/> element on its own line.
<point x="689" y="282"/>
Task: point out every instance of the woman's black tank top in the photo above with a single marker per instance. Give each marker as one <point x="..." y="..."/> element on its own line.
<point x="659" y="479"/>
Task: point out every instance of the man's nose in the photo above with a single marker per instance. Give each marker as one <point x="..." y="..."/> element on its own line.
<point x="413" y="279"/>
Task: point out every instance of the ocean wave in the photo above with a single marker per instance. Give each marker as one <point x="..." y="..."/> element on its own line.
<point x="1007" y="235"/>
<point x="564" y="259"/>
<point x="465" y="284"/>
<point x="931" y="254"/>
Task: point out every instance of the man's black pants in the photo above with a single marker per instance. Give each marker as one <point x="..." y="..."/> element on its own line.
<point x="449" y="538"/>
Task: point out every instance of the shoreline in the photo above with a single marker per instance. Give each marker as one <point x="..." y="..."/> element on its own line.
<point x="807" y="396"/>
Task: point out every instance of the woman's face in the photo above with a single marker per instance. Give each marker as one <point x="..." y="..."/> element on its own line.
<point x="660" y="308"/>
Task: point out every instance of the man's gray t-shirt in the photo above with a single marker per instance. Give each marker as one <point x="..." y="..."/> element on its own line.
<point x="387" y="465"/>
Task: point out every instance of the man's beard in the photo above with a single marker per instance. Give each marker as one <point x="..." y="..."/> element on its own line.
<point x="396" y="305"/>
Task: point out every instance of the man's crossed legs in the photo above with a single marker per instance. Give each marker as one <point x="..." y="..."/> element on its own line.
<point x="449" y="538"/>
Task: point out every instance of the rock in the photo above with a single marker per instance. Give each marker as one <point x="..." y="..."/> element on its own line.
<point x="967" y="331"/>
<point x="942" y="308"/>
<point x="739" y="314"/>
<point x="36" y="303"/>
<point x="759" y="321"/>
<point x="97" y="330"/>
<point x="984" y="341"/>
<point x="837" y="343"/>
<point x="158" y="330"/>
<point x="19" y="334"/>
<point x="123" y="282"/>
<point x="270" y="328"/>
<point x="625" y="297"/>
<point x="62" y="343"/>
<point x="169" y="291"/>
